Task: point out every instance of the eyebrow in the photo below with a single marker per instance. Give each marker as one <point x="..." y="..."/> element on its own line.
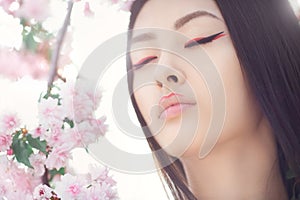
<point x="143" y="37"/>
<point x="185" y="19"/>
<point x="178" y="24"/>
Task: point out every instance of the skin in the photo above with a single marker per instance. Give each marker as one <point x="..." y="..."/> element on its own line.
<point x="243" y="163"/>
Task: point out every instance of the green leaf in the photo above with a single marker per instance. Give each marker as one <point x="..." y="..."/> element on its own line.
<point x="16" y="137"/>
<point x="29" y="42"/>
<point x="22" y="150"/>
<point x="55" y="172"/>
<point x="69" y="122"/>
<point x="37" y="143"/>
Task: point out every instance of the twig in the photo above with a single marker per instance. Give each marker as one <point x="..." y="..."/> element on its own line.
<point x="61" y="77"/>
<point x="60" y="38"/>
<point x="45" y="177"/>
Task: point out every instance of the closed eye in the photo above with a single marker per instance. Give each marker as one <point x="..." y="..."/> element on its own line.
<point x="143" y="61"/>
<point x="203" y="40"/>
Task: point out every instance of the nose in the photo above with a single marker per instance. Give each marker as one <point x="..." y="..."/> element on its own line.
<point x="167" y="72"/>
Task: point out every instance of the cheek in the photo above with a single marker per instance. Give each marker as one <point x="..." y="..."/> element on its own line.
<point x="145" y="101"/>
<point x="242" y="112"/>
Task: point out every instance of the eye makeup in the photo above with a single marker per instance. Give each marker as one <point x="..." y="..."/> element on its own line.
<point x="189" y="44"/>
<point x="203" y="40"/>
<point x="143" y="61"/>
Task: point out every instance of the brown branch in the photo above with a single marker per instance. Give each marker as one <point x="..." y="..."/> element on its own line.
<point x="45" y="179"/>
<point x="61" y="77"/>
<point x="54" y="64"/>
<point x="60" y="39"/>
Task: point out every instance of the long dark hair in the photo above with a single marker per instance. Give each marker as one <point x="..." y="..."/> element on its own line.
<point x="266" y="37"/>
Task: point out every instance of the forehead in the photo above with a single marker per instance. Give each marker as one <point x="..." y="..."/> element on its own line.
<point x="164" y="13"/>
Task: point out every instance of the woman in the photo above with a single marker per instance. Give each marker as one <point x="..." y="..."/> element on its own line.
<point x="255" y="48"/>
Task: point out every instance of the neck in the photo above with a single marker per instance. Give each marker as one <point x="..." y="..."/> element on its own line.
<point x="246" y="168"/>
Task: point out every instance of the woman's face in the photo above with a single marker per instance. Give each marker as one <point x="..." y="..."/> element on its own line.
<point x="172" y="94"/>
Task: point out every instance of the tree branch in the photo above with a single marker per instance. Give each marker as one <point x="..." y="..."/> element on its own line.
<point x="59" y="42"/>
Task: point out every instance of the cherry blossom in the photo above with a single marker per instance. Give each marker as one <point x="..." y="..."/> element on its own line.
<point x="54" y="136"/>
<point x="18" y="194"/>
<point x="5" y="141"/>
<point x="15" y="64"/>
<point x="126" y="6"/>
<point x="22" y="180"/>
<point x="67" y="92"/>
<point x="100" y="175"/>
<point x="50" y="114"/>
<point x="42" y="192"/>
<point x="83" y="107"/>
<point x="34" y="9"/>
<point x="9" y="122"/>
<point x="5" y="187"/>
<point x="59" y="156"/>
<point x="37" y="161"/>
<point x="9" y="152"/>
<point x="66" y="118"/>
<point x="40" y="131"/>
<point x="87" y="10"/>
<point x="102" y="191"/>
<point x="6" y="5"/>
<point x="91" y="130"/>
<point x="71" y="187"/>
<point x="123" y="5"/>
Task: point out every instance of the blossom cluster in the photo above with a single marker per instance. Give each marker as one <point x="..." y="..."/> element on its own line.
<point x="34" y="160"/>
<point x="31" y="159"/>
<point x="96" y="185"/>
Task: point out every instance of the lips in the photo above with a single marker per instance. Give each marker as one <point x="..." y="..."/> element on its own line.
<point x="173" y="105"/>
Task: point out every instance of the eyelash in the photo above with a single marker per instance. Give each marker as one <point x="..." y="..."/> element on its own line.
<point x="189" y="44"/>
<point x="203" y="40"/>
<point x="144" y="61"/>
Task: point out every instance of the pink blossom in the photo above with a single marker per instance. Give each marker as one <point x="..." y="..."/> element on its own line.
<point x="6" y="5"/>
<point x="73" y="136"/>
<point x="95" y="97"/>
<point x="19" y="194"/>
<point x="114" y="1"/>
<point x="5" y="142"/>
<point x="83" y="107"/>
<point x="37" y="161"/>
<point x="100" y="175"/>
<point x="58" y="157"/>
<point x="15" y="182"/>
<point x="22" y="180"/>
<point x="79" y="103"/>
<point x="34" y="9"/>
<point x="85" y="102"/>
<point x="38" y="132"/>
<point x="123" y="5"/>
<point x="50" y="114"/>
<point x="9" y="122"/>
<point x="99" y="125"/>
<point x="4" y="166"/>
<point x="10" y="152"/>
<point x="42" y="192"/>
<point x="67" y="92"/>
<point x="126" y="6"/>
<point x="14" y="64"/>
<point x="87" y="10"/>
<point x="5" y="187"/>
<point x="71" y="187"/>
<point x="100" y="192"/>
<point x="54" y="136"/>
<point x="90" y="130"/>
